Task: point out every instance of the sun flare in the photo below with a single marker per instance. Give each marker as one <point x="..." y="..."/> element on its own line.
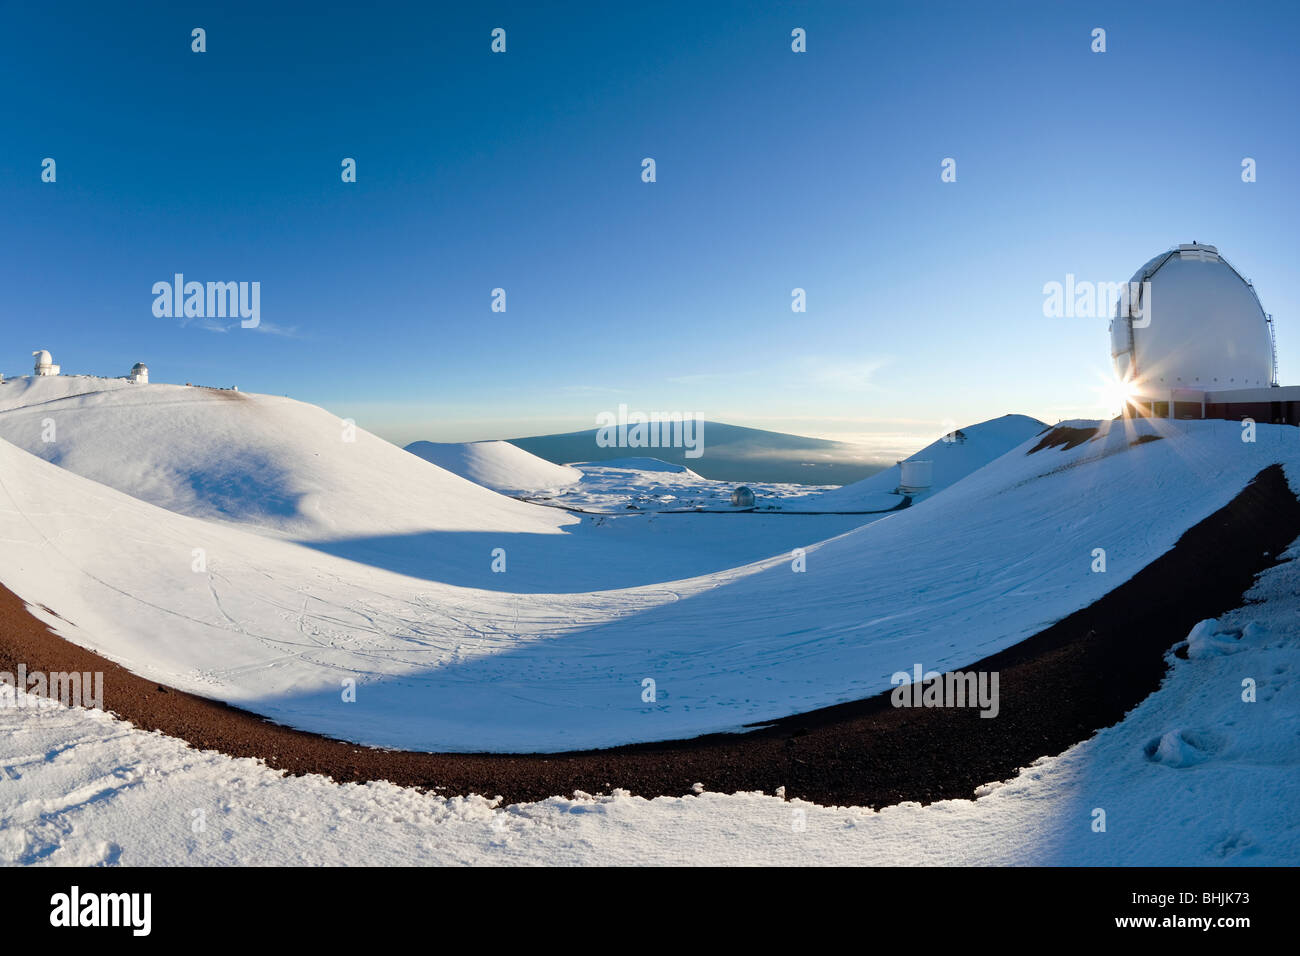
<point x="1114" y="393"/>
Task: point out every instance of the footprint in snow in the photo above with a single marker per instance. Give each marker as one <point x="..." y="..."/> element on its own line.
<point x="1184" y="748"/>
<point x="1235" y="844"/>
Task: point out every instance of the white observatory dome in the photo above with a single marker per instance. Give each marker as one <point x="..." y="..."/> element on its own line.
<point x="1201" y="327"/>
<point x="742" y="497"/>
<point x="44" y="363"/>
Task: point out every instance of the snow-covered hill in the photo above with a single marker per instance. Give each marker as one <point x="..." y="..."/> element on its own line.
<point x="259" y="460"/>
<point x="275" y="626"/>
<point x="954" y="456"/>
<point x="498" y="465"/>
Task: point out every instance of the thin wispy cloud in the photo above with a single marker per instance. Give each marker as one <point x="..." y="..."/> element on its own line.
<point x="711" y="378"/>
<point x="266" y="328"/>
<point x="270" y="328"/>
<point x="857" y="375"/>
<point x="589" y="390"/>
<point x="204" y="324"/>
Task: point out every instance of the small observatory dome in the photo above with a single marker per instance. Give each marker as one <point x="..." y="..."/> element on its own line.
<point x="742" y="497"/>
<point x="915" y="476"/>
<point x="139" y="374"/>
<point x="45" y="363"/>
<point x="1201" y="326"/>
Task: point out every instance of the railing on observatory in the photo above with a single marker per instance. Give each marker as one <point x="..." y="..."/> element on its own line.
<point x="1272" y="341"/>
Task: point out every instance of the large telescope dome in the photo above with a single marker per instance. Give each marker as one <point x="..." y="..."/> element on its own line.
<point x="1198" y="325"/>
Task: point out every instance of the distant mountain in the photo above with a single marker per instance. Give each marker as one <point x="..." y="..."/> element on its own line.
<point x="730" y="453"/>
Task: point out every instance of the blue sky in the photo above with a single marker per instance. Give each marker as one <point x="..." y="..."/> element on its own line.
<point x="522" y="170"/>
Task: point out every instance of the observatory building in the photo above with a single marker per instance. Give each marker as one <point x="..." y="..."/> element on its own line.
<point x="44" y="363"/>
<point x="916" y="475"/>
<point x="139" y="374"/>
<point x="1193" y="341"/>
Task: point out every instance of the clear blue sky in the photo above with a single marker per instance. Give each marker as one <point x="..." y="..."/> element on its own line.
<point x="523" y="171"/>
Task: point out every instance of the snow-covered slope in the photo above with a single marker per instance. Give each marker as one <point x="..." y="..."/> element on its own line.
<point x="82" y="788"/>
<point x="260" y="460"/>
<point x="954" y="456"/>
<point x="276" y="627"/>
<point x="498" y="465"/>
